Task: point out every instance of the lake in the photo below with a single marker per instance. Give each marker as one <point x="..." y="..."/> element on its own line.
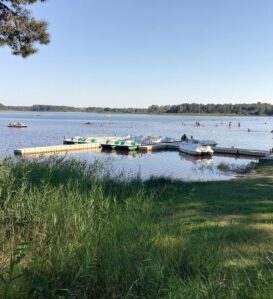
<point x="50" y="128"/>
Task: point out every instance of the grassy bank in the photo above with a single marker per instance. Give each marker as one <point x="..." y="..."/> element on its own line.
<point x="68" y="233"/>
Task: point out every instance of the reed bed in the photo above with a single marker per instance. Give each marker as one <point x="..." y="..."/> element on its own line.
<point x="69" y="230"/>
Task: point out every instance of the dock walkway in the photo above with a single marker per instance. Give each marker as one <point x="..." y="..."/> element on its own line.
<point x="55" y="149"/>
<point x="143" y="148"/>
<point x="240" y="151"/>
<point x="218" y="150"/>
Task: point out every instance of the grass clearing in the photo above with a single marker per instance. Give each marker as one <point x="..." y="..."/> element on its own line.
<point x="68" y="232"/>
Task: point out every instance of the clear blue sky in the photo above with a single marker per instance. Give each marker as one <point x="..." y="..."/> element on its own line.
<point x="134" y="53"/>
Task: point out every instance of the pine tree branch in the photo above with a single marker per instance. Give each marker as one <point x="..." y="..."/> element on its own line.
<point x="6" y="8"/>
<point x="19" y="30"/>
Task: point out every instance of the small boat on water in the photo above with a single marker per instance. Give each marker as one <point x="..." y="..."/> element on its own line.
<point x="195" y="148"/>
<point x="127" y="145"/>
<point x="149" y="140"/>
<point x="208" y="142"/>
<point x="89" y="139"/>
<point x="120" y="144"/>
<point x="79" y="140"/>
<point x="109" y="144"/>
<point x="17" y="125"/>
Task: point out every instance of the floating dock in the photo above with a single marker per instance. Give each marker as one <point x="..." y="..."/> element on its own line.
<point x="153" y="147"/>
<point x="56" y="149"/>
<point x="240" y="151"/>
<point x="143" y="148"/>
<point x="160" y="146"/>
<point x="217" y="150"/>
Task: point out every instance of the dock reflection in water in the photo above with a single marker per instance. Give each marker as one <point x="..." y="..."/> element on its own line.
<point x="171" y="164"/>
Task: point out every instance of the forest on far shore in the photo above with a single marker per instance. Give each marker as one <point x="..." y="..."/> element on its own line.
<point x="185" y="108"/>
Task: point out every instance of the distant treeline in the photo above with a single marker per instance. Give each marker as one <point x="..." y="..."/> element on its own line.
<point x="241" y="109"/>
<point x="192" y="108"/>
<point x="43" y="108"/>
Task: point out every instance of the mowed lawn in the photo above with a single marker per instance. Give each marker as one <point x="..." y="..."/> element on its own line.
<point x="68" y="232"/>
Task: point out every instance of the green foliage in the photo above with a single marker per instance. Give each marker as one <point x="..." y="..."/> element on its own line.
<point x="10" y="274"/>
<point x="68" y="232"/>
<point x="241" y="109"/>
<point x="2" y="107"/>
<point x="18" y="29"/>
<point x="44" y="108"/>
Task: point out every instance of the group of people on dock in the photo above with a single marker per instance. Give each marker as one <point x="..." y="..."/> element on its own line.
<point x="185" y="138"/>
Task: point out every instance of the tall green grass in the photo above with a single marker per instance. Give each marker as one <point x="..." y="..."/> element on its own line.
<point x="69" y="232"/>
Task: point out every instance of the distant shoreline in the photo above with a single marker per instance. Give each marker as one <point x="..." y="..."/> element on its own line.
<point x="190" y="109"/>
<point x="142" y="113"/>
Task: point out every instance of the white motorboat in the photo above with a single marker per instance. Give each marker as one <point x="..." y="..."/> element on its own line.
<point x="208" y="142"/>
<point x="149" y="140"/>
<point x="195" y="149"/>
<point x="204" y="142"/>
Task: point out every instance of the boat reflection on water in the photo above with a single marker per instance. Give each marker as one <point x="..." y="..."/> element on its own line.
<point x="127" y="153"/>
<point x="201" y="160"/>
<point x="168" y="164"/>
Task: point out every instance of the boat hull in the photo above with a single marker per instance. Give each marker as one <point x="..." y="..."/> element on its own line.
<point x="74" y="142"/>
<point x="107" y="146"/>
<point x="126" y="148"/>
<point x="196" y="149"/>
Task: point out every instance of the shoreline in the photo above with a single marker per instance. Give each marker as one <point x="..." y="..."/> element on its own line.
<point x="136" y="113"/>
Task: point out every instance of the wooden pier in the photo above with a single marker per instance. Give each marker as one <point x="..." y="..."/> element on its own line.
<point x="153" y="147"/>
<point x="143" y="148"/>
<point x="240" y="151"/>
<point x="218" y="150"/>
<point x="56" y="149"/>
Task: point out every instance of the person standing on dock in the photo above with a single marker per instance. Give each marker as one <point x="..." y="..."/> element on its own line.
<point x="184" y="138"/>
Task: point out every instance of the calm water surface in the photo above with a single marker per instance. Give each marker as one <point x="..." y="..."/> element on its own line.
<point x="50" y="129"/>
